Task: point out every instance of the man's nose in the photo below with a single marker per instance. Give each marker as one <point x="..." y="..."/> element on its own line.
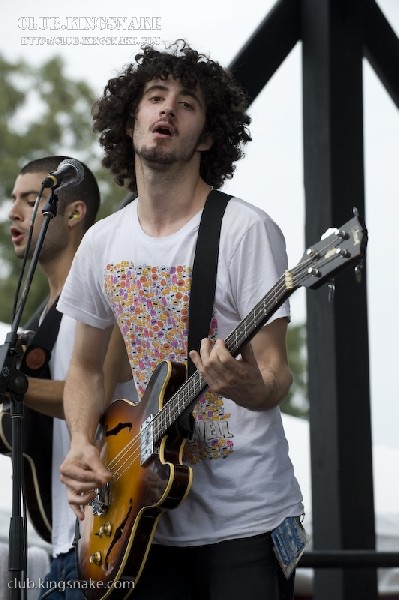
<point x="20" y="210"/>
<point x="168" y="110"/>
<point x="15" y="212"/>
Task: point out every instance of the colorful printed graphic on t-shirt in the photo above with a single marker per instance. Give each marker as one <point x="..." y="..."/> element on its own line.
<point x="211" y="437"/>
<point x="151" y="307"/>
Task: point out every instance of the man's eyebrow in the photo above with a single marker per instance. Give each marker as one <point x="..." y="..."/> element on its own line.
<point x="23" y="195"/>
<point x="156" y="87"/>
<point x="163" y="88"/>
<point x="186" y="92"/>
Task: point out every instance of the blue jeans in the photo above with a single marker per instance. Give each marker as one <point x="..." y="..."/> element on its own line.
<point x="61" y="577"/>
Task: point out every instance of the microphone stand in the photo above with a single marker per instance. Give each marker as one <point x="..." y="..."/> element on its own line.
<point x="13" y="381"/>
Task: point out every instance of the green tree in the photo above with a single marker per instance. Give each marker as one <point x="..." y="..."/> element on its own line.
<point x="296" y="402"/>
<point x="42" y="112"/>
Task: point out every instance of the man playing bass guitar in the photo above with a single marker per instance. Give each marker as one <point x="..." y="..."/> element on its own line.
<point x="172" y="125"/>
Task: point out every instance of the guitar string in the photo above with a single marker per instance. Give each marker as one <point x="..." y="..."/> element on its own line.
<point x="130" y="457"/>
<point x="163" y="425"/>
<point x="259" y="308"/>
<point x="162" y="419"/>
<point x="134" y="444"/>
<point x="124" y="453"/>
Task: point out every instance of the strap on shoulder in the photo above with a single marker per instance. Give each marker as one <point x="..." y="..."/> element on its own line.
<point x="203" y="279"/>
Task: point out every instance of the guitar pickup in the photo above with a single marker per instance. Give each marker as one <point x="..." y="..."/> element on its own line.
<point x="147" y="446"/>
<point x="100" y="502"/>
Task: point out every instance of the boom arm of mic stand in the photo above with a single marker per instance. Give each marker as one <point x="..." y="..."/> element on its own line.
<point x="15" y="383"/>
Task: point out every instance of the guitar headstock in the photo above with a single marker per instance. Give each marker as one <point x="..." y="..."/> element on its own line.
<point x="340" y="249"/>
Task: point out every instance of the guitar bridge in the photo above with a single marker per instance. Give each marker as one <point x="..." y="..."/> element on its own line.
<point x="100" y="501"/>
<point x="147" y="446"/>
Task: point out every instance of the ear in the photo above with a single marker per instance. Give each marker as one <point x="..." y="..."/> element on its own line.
<point x="206" y="142"/>
<point x="76" y="212"/>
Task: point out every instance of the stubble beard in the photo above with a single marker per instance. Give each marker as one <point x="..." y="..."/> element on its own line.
<point x="156" y="156"/>
<point x="160" y="157"/>
<point x="54" y="245"/>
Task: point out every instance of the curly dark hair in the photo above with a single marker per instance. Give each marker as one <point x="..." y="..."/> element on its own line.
<point x="226" y="105"/>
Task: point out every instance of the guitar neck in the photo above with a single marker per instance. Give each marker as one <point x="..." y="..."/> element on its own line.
<point x="242" y="334"/>
<point x="260" y="314"/>
<point x="334" y="252"/>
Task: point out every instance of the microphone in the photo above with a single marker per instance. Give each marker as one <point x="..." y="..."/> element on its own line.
<point x="69" y="172"/>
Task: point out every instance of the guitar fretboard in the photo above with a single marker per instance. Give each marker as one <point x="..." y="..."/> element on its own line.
<point x="333" y="253"/>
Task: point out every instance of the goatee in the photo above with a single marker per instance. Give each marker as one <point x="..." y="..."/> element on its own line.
<point x="156" y="156"/>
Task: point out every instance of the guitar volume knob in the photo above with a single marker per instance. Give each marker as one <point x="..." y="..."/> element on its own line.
<point x="106" y="529"/>
<point x="96" y="558"/>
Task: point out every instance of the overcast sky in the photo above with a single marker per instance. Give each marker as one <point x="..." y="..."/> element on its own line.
<point x="271" y="174"/>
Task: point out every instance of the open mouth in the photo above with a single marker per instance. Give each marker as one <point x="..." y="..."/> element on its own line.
<point x="163" y="129"/>
<point x="16" y="235"/>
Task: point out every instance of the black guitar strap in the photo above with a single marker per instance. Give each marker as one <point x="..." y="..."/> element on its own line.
<point x="35" y="363"/>
<point x="203" y="283"/>
<point x="203" y="278"/>
<point x="38" y="353"/>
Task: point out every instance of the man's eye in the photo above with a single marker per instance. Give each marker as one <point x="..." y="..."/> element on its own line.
<point x="187" y="105"/>
<point x="155" y="98"/>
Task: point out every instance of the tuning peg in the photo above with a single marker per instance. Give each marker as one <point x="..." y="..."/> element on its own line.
<point x="330" y="231"/>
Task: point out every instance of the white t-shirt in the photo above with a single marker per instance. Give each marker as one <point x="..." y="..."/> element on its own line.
<point x="63" y="517"/>
<point x="243" y="480"/>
